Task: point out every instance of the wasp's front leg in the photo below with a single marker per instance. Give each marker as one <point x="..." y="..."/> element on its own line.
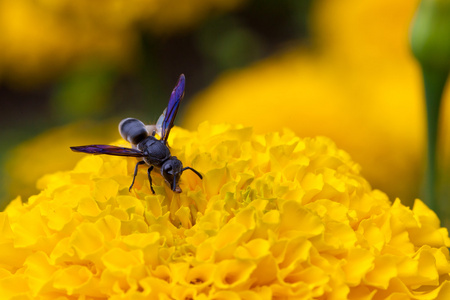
<point x="150" y="178"/>
<point x="135" y="173"/>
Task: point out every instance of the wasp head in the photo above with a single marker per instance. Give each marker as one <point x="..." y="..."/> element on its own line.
<point x="171" y="171"/>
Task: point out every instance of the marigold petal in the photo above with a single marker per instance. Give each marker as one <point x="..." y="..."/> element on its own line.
<point x="232" y="274"/>
<point x="358" y="263"/>
<point x="29" y="229"/>
<point x="214" y="180"/>
<point x="88" y="207"/>
<point x="429" y="232"/>
<point x="15" y="287"/>
<point x="254" y="249"/>
<point x="384" y="269"/>
<point x="72" y="278"/>
<point x="105" y="189"/>
<point x="339" y="236"/>
<point x="11" y="257"/>
<point x="118" y="260"/>
<point x="421" y="268"/>
<point x="58" y="215"/>
<point x="39" y="271"/>
<point x="184" y="215"/>
<point x="87" y="240"/>
<point x="297" y="220"/>
<point x="201" y="275"/>
<point x="228" y="238"/>
<point x="265" y="272"/>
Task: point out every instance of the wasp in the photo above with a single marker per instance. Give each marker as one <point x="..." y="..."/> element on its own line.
<point x="147" y="147"/>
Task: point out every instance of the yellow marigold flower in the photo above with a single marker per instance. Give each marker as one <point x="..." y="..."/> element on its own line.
<point x="275" y="216"/>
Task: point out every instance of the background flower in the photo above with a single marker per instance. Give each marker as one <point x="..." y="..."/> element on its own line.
<point x="49" y="152"/>
<point x="275" y="216"/>
<point x="47" y="37"/>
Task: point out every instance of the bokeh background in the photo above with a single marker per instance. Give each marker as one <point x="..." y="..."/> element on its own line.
<point x="71" y="70"/>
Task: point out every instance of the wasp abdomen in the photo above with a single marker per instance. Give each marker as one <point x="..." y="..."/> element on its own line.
<point x="132" y="130"/>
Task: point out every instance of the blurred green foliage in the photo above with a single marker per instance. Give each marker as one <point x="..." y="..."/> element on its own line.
<point x="430" y="44"/>
<point x="83" y="92"/>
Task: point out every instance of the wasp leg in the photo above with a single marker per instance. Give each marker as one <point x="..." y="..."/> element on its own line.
<point x="150" y="178"/>
<point x="193" y="170"/>
<point x="135" y="173"/>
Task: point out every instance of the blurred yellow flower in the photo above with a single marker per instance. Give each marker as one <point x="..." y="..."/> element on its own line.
<point x="360" y="86"/>
<point x="39" y="38"/>
<point x="275" y="216"/>
<point x="364" y="33"/>
<point x="49" y="152"/>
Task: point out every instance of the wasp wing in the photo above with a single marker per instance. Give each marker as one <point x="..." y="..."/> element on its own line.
<point x="109" y="150"/>
<point x="172" y="109"/>
<point x="159" y="123"/>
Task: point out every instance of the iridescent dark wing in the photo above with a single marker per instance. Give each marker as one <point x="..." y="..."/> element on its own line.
<point x="109" y="150"/>
<point x="172" y="108"/>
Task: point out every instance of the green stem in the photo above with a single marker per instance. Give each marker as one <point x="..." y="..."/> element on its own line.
<point x="434" y="81"/>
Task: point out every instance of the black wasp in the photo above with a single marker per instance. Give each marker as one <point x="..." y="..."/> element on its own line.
<point x="154" y="152"/>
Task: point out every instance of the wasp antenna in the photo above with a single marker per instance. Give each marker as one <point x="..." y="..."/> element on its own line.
<point x="193" y="170"/>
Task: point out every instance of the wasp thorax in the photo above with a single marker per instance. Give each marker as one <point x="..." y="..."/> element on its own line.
<point x="132" y="130"/>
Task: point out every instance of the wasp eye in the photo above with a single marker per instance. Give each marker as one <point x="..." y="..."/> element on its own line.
<point x="168" y="169"/>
